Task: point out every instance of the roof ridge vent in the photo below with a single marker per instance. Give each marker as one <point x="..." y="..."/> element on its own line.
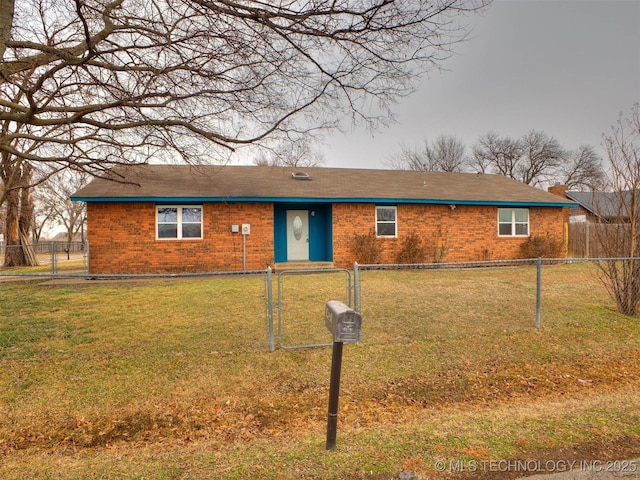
<point x="300" y="176"/>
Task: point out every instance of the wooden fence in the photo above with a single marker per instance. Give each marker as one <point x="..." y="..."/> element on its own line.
<point x="597" y="240"/>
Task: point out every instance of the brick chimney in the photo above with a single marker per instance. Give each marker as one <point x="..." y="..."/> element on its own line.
<point x="558" y="190"/>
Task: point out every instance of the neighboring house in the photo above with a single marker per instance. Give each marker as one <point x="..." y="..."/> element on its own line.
<point x="63" y="237"/>
<point x="592" y="207"/>
<point x="592" y="220"/>
<point x="169" y="219"/>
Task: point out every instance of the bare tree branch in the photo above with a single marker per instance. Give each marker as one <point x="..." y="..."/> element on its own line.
<point x="445" y="154"/>
<point x="582" y="168"/>
<point x="537" y="158"/>
<point x="229" y="73"/>
<point x="409" y="158"/>
<point x="89" y="84"/>
<point x="493" y="153"/>
<point x="622" y="237"/>
<point x="541" y="157"/>
<point x="297" y="154"/>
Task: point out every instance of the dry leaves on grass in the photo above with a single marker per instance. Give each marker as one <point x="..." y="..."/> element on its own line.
<point x="362" y="404"/>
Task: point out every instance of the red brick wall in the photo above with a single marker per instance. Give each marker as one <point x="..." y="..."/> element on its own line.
<point x="559" y="190"/>
<point x="467" y="233"/>
<point x="122" y="239"/>
<point x="122" y="236"/>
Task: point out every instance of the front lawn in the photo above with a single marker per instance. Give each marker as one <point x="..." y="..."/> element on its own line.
<point x="174" y="378"/>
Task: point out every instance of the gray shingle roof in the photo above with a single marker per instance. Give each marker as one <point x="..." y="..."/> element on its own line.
<point x="183" y="183"/>
<point x="608" y="205"/>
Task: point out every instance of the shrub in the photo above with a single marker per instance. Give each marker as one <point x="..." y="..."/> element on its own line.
<point x="438" y="246"/>
<point x="412" y="249"/>
<point x="366" y="248"/>
<point x="484" y="255"/>
<point x="543" y="246"/>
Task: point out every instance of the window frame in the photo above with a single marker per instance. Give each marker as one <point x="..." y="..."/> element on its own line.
<point x="513" y="223"/>
<point x="179" y="222"/>
<point x="387" y="222"/>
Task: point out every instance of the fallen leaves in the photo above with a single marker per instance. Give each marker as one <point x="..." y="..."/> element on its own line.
<point x="295" y="408"/>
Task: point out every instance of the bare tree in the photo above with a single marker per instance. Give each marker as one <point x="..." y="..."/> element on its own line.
<point x="409" y="158"/>
<point x="42" y="221"/>
<point x="54" y="204"/>
<point x="537" y="158"/>
<point x="445" y="154"/>
<point x="622" y="238"/>
<point x="495" y="154"/>
<point x="95" y="83"/>
<point x="541" y="157"/>
<point x="532" y="159"/>
<point x="582" y="168"/>
<point x="299" y="153"/>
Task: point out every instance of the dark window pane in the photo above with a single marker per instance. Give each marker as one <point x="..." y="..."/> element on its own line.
<point x="167" y="230"/>
<point x="191" y="230"/>
<point x="505" y="229"/>
<point x="387" y="229"/>
<point x="386" y="214"/>
<point x="522" y="229"/>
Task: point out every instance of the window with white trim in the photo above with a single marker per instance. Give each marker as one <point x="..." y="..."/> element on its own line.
<point x="513" y="222"/>
<point x="386" y="222"/>
<point x="178" y="222"/>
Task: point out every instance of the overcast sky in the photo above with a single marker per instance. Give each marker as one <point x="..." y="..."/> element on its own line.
<point x="566" y="67"/>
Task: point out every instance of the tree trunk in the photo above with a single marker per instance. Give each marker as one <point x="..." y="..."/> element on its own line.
<point x="14" y="256"/>
<point x="7" y="9"/>
<point x="19" y="221"/>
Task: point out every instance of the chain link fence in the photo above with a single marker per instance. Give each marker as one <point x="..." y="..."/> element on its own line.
<point x="403" y="303"/>
<point x="158" y="318"/>
<point x="44" y="259"/>
<point x="398" y="303"/>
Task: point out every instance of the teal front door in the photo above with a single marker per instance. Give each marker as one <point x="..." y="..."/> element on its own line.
<point x="302" y="232"/>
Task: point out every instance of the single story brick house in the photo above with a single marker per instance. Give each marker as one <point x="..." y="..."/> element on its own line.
<point x="172" y="219"/>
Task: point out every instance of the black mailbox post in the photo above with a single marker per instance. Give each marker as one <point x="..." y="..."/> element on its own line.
<point x="345" y="325"/>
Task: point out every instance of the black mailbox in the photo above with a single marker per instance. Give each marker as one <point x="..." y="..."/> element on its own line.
<point x="343" y="322"/>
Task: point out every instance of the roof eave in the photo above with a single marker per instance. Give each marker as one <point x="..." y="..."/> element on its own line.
<point x="379" y="200"/>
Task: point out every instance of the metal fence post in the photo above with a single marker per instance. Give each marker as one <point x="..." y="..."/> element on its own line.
<point x="270" y="332"/>
<point x="86" y="256"/>
<point x="356" y="288"/>
<point x="538" y="290"/>
<point x="334" y="394"/>
<point x="53" y="259"/>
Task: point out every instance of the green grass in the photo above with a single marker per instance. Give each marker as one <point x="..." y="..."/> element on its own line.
<point x="174" y="379"/>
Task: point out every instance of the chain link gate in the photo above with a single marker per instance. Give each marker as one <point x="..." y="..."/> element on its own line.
<point x="300" y="298"/>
